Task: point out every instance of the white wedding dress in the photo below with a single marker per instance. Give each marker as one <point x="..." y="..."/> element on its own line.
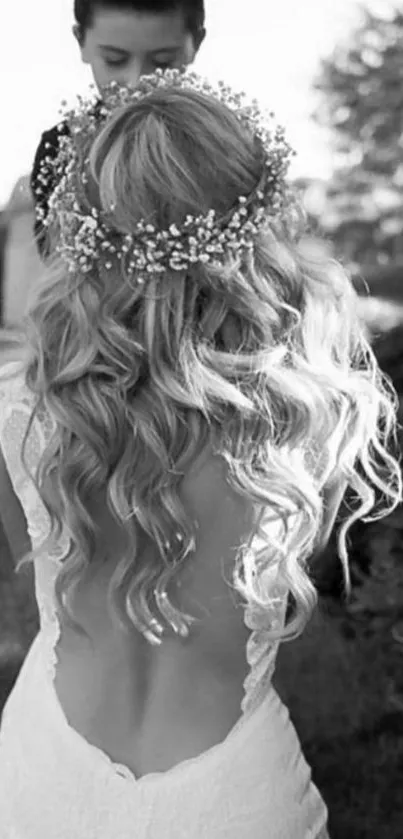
<point x="256" y="784"/>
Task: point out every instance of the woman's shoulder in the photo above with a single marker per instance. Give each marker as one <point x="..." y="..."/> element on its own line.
<point x="15" y="409"/>
<point x="19" y="414"/>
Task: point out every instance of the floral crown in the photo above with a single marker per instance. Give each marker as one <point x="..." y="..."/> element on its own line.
<point x="84" y="235"/>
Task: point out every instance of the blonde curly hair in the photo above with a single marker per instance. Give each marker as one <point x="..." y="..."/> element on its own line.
<point x="265" y="359"/>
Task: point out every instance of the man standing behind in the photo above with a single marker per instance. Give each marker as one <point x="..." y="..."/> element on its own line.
<point x="121" y="40"/>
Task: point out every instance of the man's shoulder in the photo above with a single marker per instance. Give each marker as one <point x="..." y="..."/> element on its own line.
<point x="46" y="155"/>
<point x="50" y="139"/>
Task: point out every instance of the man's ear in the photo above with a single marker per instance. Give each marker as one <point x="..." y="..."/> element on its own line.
<point x="199" y="38"/>
<point x="80" y="38"/>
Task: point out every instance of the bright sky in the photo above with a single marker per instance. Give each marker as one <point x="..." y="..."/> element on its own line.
<point x="270" y="48"/>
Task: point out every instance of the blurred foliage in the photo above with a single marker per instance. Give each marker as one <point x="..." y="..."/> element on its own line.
<point x="375" y="549"/>
<point x="358" y="214"/>
<point x="360" y="89"/>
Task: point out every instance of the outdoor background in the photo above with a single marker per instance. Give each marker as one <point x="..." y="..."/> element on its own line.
<point x="333" y="73"/>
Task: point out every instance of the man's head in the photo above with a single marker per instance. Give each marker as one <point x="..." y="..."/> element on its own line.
<point x="125" y="39"/>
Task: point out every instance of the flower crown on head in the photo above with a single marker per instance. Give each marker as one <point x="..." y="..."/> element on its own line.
<point x="85" y="235"/>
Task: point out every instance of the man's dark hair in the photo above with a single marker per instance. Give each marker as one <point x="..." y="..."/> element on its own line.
<point x="193" y="11"/>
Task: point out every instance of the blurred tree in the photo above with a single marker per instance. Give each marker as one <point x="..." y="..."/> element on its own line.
<point x="360" y="91"/>
<point x="360" y="88"/>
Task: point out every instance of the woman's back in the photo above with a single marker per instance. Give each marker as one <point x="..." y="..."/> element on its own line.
<point x="177" y="700"/>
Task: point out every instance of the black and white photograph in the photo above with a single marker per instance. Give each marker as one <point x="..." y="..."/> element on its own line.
<point x="201" y="419"/>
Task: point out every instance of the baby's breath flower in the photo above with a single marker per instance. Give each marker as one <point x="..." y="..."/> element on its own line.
<point x="87" y="235"/>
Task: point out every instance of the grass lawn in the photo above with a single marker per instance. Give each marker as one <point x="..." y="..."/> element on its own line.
<point x="342" y="684"/>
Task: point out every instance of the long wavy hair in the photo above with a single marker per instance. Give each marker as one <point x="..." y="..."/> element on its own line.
<point x="264" y="359"/>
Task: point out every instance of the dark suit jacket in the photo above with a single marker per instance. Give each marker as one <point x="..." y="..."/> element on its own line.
<point x="44" y="177"/>
<point x="43" y="181"/>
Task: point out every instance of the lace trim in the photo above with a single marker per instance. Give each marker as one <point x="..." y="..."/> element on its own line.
<point x="261" y="650"/>
<point x="16" y="406"/>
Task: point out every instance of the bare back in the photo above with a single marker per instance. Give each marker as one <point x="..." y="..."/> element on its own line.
<point x="149" y="707"/>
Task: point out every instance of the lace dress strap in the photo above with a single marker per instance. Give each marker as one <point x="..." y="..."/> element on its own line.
<point x="16" y="406"/>
<point x="261" y="650"/>
<point x="261" y="619"/>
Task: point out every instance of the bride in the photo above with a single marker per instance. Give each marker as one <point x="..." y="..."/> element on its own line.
<point x="194" y="399"/>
